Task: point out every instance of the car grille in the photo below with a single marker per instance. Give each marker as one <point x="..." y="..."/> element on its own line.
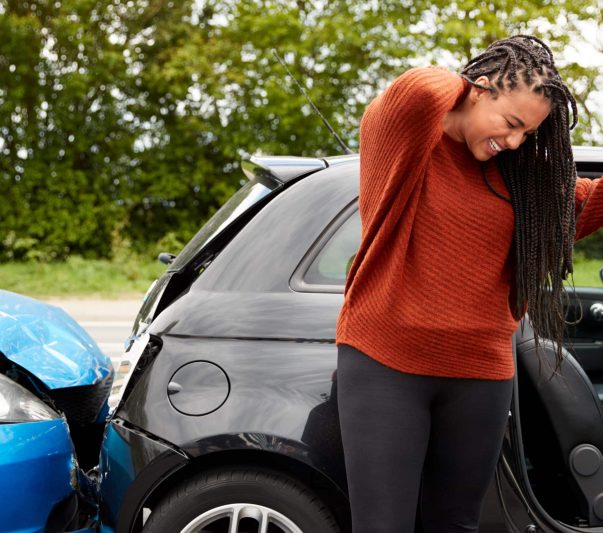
<point x="83" y="404"/>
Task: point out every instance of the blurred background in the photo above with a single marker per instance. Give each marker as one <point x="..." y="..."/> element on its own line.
<point x="123" y="122"/>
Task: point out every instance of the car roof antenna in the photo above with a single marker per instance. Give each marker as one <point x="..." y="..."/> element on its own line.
<point x="303" y="91"/>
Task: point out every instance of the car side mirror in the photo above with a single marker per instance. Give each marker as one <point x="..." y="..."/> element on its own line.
<point x="166" y="258"/>
<point x="601" y="274"/>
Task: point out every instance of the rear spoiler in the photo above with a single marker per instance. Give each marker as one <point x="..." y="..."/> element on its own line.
<point x="278" y="170"/>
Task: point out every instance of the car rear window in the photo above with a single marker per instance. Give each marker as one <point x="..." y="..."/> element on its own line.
<point x="247" y="196"/>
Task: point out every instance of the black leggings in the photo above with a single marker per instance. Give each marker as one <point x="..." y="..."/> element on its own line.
<point x="410" y="438"/>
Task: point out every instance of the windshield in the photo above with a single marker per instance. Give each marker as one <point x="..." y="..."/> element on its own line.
<point x="248" y="195"/>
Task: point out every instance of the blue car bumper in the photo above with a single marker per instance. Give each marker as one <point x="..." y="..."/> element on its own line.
<point x="37" y="472"/>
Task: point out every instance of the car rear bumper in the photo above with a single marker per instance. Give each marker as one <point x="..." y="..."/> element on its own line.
<point x="132" y="463"/>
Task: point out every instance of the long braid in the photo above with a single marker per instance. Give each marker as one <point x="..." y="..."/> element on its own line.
<point x="541" y="178"/>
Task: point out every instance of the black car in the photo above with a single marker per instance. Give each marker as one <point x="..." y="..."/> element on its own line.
<point x="225" y="414"/>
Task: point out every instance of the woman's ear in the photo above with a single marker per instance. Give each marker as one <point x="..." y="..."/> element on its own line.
<point x="482" y="85"/>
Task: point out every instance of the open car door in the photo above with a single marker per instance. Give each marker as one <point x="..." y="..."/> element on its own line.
<point x="550" y="476"/>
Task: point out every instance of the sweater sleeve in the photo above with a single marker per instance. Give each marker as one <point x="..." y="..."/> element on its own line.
<point x="398" y="131"/>
<point x="589" y="206"/>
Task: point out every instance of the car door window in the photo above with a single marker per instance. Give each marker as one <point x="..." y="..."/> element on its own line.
<point x="588" y="256"/>
<point x="332" y="263"/>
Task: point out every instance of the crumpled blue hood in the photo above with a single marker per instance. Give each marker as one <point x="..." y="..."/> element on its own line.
<point x="49" y="343"/>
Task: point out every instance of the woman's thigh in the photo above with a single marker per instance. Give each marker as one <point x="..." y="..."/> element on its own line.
<point x="468" y="424"/>
<point x="385" y="423"/>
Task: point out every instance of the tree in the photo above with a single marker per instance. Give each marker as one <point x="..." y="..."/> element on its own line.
<point x="64" y="128"/>
<point x="129" y="117"/>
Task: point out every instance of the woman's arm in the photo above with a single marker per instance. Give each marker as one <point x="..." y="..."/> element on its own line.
<point x="589" y="206"/>
<point x="398" y="131"/>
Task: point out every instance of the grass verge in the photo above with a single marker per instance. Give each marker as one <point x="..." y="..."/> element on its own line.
<point x="81" y="278"/>
<point x="586" y="272"/>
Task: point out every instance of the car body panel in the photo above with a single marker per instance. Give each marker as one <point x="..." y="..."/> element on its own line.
<point x="136" y="464"/>
<point x="298" y="386"/>
<point x="588" y="154"/>
<point x="285" y="230"/>
<point x="34" y="455"/>
<point x="48" y="343"/>
<point x="273" y="316"/>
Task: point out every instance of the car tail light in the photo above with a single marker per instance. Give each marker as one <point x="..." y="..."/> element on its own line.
<point x="134" y="360"/>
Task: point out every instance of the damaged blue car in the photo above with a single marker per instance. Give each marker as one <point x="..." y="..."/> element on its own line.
<point x="54" y="385"/>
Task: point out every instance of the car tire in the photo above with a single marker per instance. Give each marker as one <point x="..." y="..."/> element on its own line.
<point x="208" y="502"/>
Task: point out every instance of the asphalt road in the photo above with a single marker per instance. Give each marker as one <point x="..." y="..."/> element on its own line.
<point x="108" y="322"/>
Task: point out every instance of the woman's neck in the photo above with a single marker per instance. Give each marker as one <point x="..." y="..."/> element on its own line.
<point x="452" y="123"/>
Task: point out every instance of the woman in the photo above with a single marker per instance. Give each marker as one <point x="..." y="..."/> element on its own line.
<point x="469" y="206"/>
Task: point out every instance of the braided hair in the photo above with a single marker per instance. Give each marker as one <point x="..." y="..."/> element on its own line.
<point x="541" y="177"/>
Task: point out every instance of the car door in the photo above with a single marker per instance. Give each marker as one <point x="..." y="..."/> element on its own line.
<point x="585" y="311"/>
<point x="535" y="451"/>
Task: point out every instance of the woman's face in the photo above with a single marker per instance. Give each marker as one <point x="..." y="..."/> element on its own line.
<point x="491" y="125"/>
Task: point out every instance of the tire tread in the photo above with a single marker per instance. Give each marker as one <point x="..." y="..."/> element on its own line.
<point x="206" y="480"/>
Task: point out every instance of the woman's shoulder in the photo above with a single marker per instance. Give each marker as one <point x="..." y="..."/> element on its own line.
<point x="424" y="88"/>
<point x="418" y="98"/>
<point x="430" y="71"/>
<point x="430" y="80"/>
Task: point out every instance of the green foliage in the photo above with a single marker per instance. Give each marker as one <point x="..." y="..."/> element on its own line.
<point x="169" y="243"/>
<point x="122" y="123"/>
<point x="65" y="143"/>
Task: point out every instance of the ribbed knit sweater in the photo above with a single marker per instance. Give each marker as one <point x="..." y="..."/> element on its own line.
<point x="428" y="290"/>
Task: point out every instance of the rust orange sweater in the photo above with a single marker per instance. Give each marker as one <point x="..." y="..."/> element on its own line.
<point x="428" y="290"/>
